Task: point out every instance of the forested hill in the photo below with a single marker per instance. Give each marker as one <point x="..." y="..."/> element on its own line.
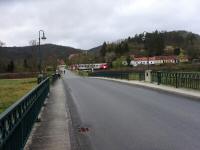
<point x="155" y="43"/>
<point x="95" y="50"/>
<point x="48" y="52"/>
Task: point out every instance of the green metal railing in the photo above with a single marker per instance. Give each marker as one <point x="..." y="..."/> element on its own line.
<point x="177" y="79"/>
<point x="120" y="75"/>
<point x="17" y="121"/>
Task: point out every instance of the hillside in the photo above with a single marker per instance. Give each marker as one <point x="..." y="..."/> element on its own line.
<point x="159" y="42"/>
<point x="156" y="43"/>
<point x="17" y="53"/>
<point x="49" y="54"/>
<point x="95" y="50"/>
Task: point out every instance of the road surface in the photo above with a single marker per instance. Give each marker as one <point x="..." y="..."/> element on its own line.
<point x="125" y="117"/>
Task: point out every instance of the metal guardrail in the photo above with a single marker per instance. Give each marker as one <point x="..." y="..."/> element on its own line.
<point x="17" y="121"/>
<point x="120" y="75"/>
<point x="154" y="77"/>
<point x="177" y="79"/>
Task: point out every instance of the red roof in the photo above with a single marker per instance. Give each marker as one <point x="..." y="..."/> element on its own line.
<point x="61" y="62"/>
<point x="156" y="58"/>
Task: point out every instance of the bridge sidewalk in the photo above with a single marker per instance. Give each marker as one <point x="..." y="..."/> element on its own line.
<point x="181" y="91"/>
<point x="52" y="132"/>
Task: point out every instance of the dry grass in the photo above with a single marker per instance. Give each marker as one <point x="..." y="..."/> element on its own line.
<point x="12" y="90"/>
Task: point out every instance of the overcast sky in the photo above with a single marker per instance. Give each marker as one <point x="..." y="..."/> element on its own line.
<point x="87" y="23"/>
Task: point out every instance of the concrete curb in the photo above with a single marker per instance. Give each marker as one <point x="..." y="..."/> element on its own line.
<point x="52" y="132"/>
<point x="178" y="91"/>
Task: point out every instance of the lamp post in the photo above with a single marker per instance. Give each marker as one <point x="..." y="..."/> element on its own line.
<point x="143" y="39"/>
<point x="43" y="38"/>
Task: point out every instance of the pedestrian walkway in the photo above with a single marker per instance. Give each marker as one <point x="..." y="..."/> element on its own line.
<point x="52" y="132"/>
<point x="180" y="91"/>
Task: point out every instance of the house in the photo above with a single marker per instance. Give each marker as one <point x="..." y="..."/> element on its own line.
<point x="73" y="56"/>
<point x="167" y="59"/>
<point x="61" y="65"/>
<point x="154" y="60"/>
<point x="183" y="58"/>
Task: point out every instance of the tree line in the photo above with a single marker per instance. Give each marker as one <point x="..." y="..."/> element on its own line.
<point x="12" y="65"/>
<point x="27" y="58"/>
<point x="156" y="42"/>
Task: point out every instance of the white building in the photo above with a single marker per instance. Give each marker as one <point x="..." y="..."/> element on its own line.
<point x="156" y="60"/>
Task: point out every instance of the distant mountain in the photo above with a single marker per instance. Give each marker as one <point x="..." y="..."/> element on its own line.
<point x="20" y="53"/>
<point x="49" y="53"/>
<point x="95" y="50"/>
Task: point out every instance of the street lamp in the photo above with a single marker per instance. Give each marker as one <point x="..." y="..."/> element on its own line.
<point x="43" y="38"/>
<point x="143" y="39"/>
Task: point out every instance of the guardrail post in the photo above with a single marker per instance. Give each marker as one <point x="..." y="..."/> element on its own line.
<point x="148" y="75"/>
<point x="159" y="77"/>
<point x="128" y="76"/>
<point x="140" y="76"/>
<point x="176" y="76"/>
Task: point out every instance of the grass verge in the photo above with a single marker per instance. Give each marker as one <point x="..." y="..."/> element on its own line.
<point x="12" y="90"/>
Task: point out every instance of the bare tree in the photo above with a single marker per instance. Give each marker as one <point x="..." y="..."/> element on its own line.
<point x="2" y="63"/>
<point x="110" y="56"/>
<point x="33" y="60"/>
<point x="2" y="44"/>
<point x="33" y="43"/>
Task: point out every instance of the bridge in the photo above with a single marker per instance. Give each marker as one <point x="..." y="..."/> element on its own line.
<point x="104" y="113"/>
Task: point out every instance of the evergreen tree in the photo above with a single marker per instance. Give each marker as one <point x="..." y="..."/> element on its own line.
<point x="155" y="43"/>
<point x="103" y="49"/>
<point x="25" y="64"/>
<point x="11" y="66"/>
<point x="125" y="47"/>
<point x="128" y="59"/>
<point x="177" y="51"/>
<point x="129" y="39"/>
<point x="118" y="49"/>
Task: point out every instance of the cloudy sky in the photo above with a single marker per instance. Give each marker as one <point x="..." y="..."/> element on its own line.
<point x="87" y="23"/>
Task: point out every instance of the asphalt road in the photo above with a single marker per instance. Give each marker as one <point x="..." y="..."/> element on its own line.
<point x="125" y="117"/>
